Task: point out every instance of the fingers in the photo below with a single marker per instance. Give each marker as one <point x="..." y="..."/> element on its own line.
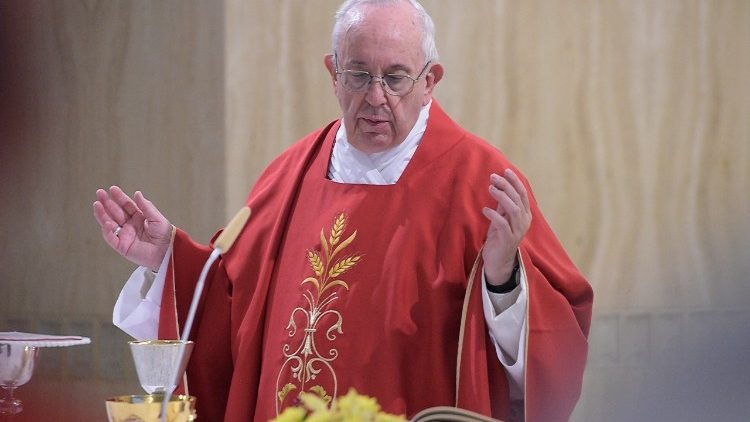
<point x="154" y="223"/>
<point x="512" y="186"/>
<point x="112" y="204"/>
<point x="508" y="202"/>
<point x="101" y="215"/>
<point x="126" y="207"/>
<point x="115" y="209"/>
<point x="107" y="224"/>
<point x="512" y="202"/>
<point x="120" y="207"/>
<point x="508" y="206"/>
<point x="497" y="221"/>
<point x="519" y="187"/>
<point x="150" y="212"/>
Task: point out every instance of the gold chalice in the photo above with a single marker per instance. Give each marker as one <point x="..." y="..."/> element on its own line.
<point x="16" y="367"/>
<point x="160" y="365"/>
<point x="147" y="408"/>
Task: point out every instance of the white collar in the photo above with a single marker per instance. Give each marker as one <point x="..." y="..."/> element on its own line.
<point x="350" y="165"/>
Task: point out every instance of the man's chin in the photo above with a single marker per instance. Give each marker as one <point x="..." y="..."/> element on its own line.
<point x="371" y="143"/>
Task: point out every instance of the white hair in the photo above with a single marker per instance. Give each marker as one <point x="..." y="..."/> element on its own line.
<point x="349" y="14"/>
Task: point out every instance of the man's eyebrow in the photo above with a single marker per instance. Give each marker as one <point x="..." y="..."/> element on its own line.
<point x="390" y="69"/>
<point x="398" y="67"/>
<point x="356" y="63"/>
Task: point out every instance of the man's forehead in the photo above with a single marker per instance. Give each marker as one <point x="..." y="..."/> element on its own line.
<point x="380" y="49"/>
<point x="379" y="59"/>
<point x="380" y="15"/>
<point x="391" y="27"/>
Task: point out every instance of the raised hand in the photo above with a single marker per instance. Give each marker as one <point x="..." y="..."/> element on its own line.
<point x="509" y="223"/>
<point x="133" y="227"/>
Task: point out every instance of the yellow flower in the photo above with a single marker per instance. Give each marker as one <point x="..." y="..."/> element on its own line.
<point x="291" y="414"/>
<point x="356" y="407"/>
<point x="322" y="416"/>
<point x="350" y="408"/>
<point x="313" y="402"/>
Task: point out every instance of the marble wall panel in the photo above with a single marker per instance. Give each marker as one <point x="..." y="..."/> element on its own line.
<point x="101" y="93"/>
<point x="95" y="93"/>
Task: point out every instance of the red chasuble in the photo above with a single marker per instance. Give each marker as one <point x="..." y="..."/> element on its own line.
<point x="335" y="286"/>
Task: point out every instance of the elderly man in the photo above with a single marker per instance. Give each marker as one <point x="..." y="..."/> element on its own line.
<point x="375" y="258"/>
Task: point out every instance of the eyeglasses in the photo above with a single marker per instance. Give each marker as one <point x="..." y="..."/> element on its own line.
<point x="393" y="83"/>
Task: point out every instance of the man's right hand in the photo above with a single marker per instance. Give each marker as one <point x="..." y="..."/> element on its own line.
<point x="144" y="235"/>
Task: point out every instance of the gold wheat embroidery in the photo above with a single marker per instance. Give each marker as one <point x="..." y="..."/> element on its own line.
<point x="304" y="361"/>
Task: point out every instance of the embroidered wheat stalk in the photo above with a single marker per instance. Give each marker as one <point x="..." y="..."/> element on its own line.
<point x="342" y="266"/>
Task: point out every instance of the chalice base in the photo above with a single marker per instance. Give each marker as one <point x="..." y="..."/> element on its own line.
<point x="10" y="406"/>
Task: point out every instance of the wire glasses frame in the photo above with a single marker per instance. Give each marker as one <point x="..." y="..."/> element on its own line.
<point x="393" y="83"/>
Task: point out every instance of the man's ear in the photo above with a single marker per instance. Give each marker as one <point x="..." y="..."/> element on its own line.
<point x="328" y="61"/>
<point x="434" y="75"/>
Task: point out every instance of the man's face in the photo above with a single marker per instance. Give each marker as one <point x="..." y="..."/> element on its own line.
<point x="386" y="40"/>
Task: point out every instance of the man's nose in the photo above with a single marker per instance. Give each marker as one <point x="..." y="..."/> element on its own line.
<point x="376" y="94"/>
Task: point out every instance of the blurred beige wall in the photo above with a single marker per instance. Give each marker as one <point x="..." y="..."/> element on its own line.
<point x="630" y="118"/>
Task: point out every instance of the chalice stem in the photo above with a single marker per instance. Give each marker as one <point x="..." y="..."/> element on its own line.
<point x="9" y="405"/>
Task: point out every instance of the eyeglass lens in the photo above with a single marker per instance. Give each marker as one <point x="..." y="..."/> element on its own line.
<point x="393" y="84"/>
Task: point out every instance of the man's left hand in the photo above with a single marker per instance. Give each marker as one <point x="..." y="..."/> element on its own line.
<point x="509" y="223"/>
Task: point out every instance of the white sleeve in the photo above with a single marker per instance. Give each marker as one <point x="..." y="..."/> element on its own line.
<point x="137" y="308"/>
<point x="505" y="314"/>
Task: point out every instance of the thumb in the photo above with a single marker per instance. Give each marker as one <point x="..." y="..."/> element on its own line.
<point x="151" y="214"/>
